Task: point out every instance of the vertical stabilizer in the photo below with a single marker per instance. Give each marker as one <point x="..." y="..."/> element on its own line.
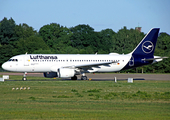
<point x="147" y="46"/>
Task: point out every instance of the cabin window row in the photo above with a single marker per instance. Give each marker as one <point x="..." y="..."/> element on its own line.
<point x="75" y="60"/>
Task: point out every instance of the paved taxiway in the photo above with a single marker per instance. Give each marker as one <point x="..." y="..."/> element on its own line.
<point x="109" y="76"/>
<point x="123" y="76"/>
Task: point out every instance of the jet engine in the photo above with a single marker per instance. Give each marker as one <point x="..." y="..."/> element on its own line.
<point x="50" y="74"/>
<point x="66" y="72"/>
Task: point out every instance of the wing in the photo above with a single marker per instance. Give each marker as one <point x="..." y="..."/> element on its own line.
<point x="93" y="65"/>
<point x="90" y="65"/>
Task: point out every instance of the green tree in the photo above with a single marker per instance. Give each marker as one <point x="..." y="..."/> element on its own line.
<point x="82" y="36"/>
<point x="105" y="40"/>
<point x="7" y="31"/>
<point x="163" y="43"/>
<point x="42" y="51"/>
<point x="6" y="52"/>
<point x="24" y="31"/>
<point x="30" y="44"/>
<point x="54" y="33"/>
<point x="126" y="40"/>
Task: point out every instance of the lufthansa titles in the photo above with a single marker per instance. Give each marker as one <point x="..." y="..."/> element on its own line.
<point x="43" y="57"/>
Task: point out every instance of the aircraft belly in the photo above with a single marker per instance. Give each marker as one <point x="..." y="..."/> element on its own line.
<point x="41" y="68"/>
<point x="112" y="68"/>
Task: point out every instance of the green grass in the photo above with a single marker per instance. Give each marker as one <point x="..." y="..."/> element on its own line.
<point x="82" y="100"/>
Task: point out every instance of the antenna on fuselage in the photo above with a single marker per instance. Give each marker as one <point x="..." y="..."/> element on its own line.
<point x="26" y="53"/>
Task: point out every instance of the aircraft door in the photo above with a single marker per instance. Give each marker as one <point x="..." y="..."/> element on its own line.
<point x="68" y="61"/>
<point x="26" y="60"/>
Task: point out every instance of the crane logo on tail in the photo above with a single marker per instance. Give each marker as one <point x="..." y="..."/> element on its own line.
<point x="147" y="47"/>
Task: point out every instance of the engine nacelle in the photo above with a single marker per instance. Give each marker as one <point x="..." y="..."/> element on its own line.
<point x="50" y="74"/>
<point x="66" y="72"/>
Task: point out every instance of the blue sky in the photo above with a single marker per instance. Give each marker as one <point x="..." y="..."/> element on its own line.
<point x="99" y="14"/>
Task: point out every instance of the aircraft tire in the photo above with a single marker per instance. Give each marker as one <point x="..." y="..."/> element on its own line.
<point x="83" y="77"/>
<point x="24" y="78"/>
<point x="74" y="78"/>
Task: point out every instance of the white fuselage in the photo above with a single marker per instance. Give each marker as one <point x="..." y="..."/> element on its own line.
<point x="52" y="62"/>
<point x="65" y="65"/>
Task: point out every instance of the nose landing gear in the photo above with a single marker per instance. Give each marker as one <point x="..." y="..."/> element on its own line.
<point x="24" y="76"/>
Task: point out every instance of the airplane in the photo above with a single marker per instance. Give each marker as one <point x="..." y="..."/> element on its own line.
<point x="70" y="65"/>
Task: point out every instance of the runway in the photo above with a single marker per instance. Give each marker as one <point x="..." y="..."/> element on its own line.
<point x="122" y="76"/>
<point x="107" y="76"/>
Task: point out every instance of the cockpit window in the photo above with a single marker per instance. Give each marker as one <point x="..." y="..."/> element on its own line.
<point x="13" y="60"/>
<point x="10" y="60"/>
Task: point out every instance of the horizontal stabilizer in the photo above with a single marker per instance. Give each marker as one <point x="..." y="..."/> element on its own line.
<point x="155" y="59"/>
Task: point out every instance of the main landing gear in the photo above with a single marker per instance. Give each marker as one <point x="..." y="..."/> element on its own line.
<point x="24" y="76"/>
<point x="83" y="77"/>
<point x="74" y="77"/>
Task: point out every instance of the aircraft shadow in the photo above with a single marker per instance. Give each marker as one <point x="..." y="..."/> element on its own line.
<point x="77" y="80"/>
<point x="104" y="79"/>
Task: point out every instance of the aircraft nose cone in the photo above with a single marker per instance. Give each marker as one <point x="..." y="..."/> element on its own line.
<point x="5" y="66"/>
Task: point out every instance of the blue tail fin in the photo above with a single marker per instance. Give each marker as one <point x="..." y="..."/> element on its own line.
<point x="147" y="46"/>
<point x="143" y="53"/>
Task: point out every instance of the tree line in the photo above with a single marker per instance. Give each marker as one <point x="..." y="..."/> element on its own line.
<point x="54" y="38"/>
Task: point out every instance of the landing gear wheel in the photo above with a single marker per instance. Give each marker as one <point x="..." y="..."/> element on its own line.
<point x="74" y="78"/>
<point x="83" y="77"/>
<point x="24" y="78"/>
